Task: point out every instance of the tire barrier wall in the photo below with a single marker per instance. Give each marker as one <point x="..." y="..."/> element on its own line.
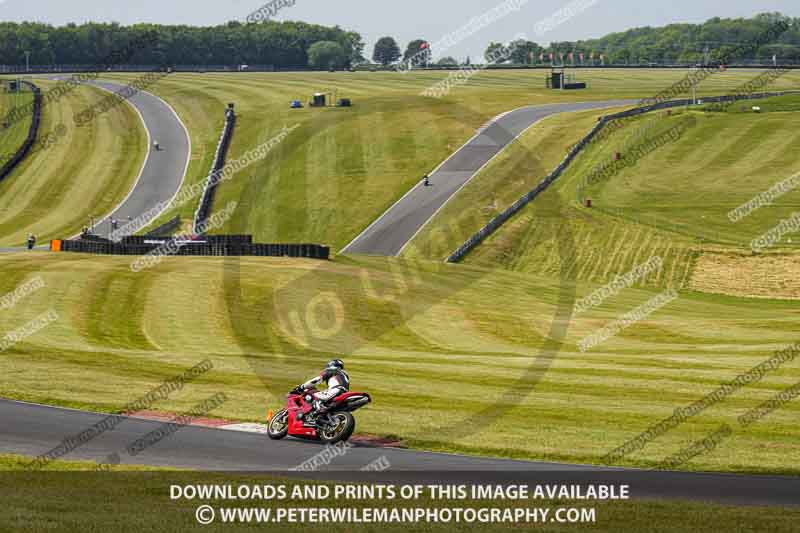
<point x="503" y="217"/>
<point x="33" y="132"/>
<point x="166" y="229"/>
<point x="141" y="240"/>
<point x="207" y="200"/>
<point x="217" y="245"/>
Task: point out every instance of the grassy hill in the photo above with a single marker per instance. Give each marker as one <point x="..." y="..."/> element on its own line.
<point x="481" y="357"/>
<point x="74" y="173"/>
<point x="342" y="168"/>
<point x="12" y="136"/>
<point x="673" y="202"/>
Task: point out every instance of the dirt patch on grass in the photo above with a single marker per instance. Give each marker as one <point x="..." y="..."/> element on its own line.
<point x="754" y="276"/>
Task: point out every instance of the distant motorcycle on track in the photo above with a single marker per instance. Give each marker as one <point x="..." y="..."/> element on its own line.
<point x="334" y="424"/>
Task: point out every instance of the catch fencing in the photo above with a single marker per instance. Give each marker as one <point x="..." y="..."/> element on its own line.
<point x="33" y="132"/>
<point x="500" y="219"/>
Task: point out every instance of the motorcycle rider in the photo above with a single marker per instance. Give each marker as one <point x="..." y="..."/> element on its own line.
<point x="337" y="380"/>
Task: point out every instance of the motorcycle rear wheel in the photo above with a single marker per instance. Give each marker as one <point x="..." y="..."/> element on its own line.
<point x="343" y="427"/>
<point x="279" y="425"/>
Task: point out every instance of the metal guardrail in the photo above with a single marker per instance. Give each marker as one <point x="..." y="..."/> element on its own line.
<point x="62" y="69"/>
<point x="207" y="199"/>
<point x="167" y="228"/>
<point x="503" y="217"/>
<point x="33" y="132"/>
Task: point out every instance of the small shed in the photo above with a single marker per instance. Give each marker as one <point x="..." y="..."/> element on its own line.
<point x="318" y="100"/>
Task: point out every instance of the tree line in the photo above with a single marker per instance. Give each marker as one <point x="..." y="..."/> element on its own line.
<point x="298" y="44"/>
<point x="672" y="44"/>
<point x="280" y="44"/>
<point x="692" y="43"/>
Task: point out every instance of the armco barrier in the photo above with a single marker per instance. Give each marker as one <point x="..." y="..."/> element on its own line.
<point x="33" y="132"/>
<point x="233" y="69"/>
<point x="503" y="217"/>
<point x="212" y="245"/>
<point x="207" y="200"/>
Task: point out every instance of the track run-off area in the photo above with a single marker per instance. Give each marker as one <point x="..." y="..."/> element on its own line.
<point x="32" y="430"/>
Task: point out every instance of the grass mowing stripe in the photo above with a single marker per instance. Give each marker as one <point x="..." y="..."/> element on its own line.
<point x="54" y="192"/>
<point x="441" y="363"/>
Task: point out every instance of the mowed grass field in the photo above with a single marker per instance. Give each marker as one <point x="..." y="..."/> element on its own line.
<point x="131" y="501"/>
<point x="673" y="203"/>
<point x="341" y="168"/>
<point x="457" y="358"/>
<point x="12" y="135"/>
<point x="478" y="358"/>
<point x="74" y="173"/>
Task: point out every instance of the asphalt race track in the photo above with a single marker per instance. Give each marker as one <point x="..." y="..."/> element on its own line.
<point x="31" y="430"/>
<point x="397" y="227"/>
<point x="163" y="171"/>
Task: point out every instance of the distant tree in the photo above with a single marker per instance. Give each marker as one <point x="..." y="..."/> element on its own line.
<point x="497" y="53"/>
<point x="491" y="50"/>
<point x="447" y="61"/>
<point x="386" y="51"/>
<point x="418" y="53"/>
<point x="356" y="46"/>
<point x="326" y="54"/>
<point x="525" y="52"/>
<point x="467" y="61"/>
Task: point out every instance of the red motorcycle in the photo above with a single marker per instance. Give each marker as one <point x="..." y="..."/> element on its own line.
<point x="332" y="424"/>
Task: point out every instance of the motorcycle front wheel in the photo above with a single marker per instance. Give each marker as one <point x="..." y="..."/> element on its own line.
<point x="279" y="425"/>
<point x="341" y="428"/>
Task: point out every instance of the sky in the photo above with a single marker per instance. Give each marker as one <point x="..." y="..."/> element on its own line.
<point x="432" y="20"/>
